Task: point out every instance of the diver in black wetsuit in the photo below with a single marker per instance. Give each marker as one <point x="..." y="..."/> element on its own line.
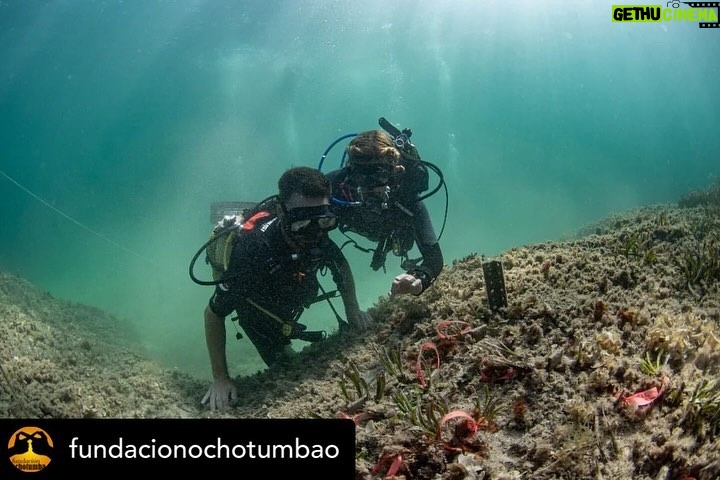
<point x="377" y="195"/>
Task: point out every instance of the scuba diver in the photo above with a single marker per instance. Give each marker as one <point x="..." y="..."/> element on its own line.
<point x="268" y="272"/>
<point x="378" y="194"/>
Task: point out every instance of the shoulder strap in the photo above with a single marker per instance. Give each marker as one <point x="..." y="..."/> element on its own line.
<point x="250" y="223"/>
<point x="219" y="251"/>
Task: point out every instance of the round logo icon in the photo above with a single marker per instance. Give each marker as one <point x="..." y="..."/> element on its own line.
<point x="30" y="448"/>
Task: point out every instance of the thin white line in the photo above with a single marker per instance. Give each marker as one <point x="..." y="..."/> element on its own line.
<point x="76" y="222"/>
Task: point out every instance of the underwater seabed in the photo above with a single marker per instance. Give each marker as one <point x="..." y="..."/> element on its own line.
<point x="604" y="364"/>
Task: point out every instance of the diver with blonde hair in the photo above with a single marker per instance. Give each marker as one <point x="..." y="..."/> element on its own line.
<point x="377" y="194"/>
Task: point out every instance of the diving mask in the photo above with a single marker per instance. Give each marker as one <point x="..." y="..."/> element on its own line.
<point x="370" y="175"/>
<point x="307" y="219"/>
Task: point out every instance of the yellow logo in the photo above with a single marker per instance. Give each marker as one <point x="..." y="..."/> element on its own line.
<point x="29" y="449"/>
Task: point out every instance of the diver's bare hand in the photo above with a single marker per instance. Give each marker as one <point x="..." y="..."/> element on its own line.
<point x="221" y="394"/>
<point x="406" y="283"/>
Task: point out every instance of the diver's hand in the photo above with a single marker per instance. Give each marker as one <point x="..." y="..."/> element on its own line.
<point x="220" y="394"/>
<point x="406" y="283"/>
<point x="359" y="319"/>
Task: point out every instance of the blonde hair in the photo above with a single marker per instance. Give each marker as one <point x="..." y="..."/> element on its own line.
<point x="372" y="146"/>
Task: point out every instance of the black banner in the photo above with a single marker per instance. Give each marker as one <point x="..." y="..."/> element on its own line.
<point x="92" y="448"/>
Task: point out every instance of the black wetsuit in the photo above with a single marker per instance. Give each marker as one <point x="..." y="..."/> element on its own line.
<point x="264" y="274"/>
<point x="406" y="221"/>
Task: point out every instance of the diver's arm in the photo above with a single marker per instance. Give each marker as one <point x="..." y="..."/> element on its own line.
<point x="222" y="391"/>
<point x="343" y="277"/>
<point x="431" y="265"/>
<point x="432" y="257"/>
<point x="215" y="341"/>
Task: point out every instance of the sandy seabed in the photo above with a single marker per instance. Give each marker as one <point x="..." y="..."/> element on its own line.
<point x="604" y="364"/>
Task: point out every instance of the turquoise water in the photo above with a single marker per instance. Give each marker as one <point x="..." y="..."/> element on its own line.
<point x="131" y="117"/>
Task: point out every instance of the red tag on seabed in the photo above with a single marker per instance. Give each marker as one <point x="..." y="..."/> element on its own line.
<point x="643" y="398"/>
<point x="646" y="397"/>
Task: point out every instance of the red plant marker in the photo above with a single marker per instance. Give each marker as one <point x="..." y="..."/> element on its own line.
<point x="394" y="466"/>
<point x="358" y="418"/>
<point x="418" y="366"/>
<point x="490" y="373"/>
<point x="465" y="328"/>
<point x="643" y="398"/>
<point x="470" y="421"/>
<point x="646" y="397"/>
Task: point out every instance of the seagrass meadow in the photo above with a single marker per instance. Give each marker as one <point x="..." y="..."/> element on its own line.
<point x="605" y="363"/>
